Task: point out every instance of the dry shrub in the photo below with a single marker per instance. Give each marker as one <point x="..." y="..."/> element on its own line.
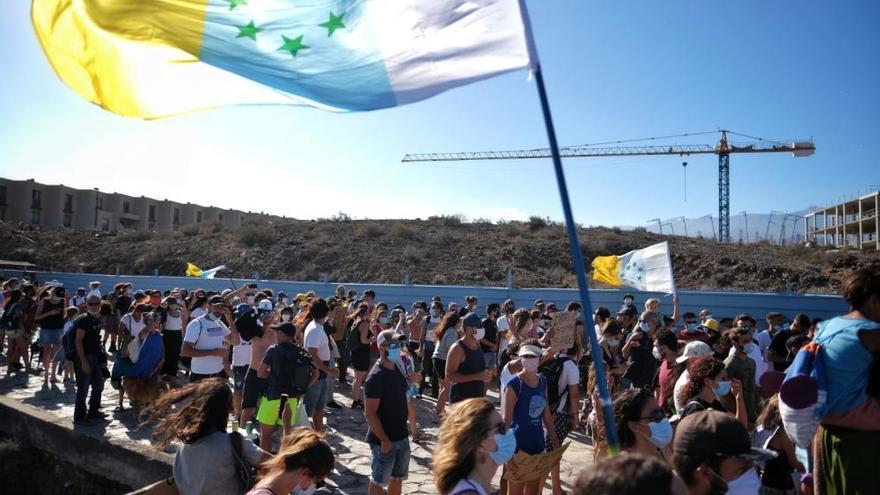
<point x="256" y="235"/>
<point x="370" y="230"/>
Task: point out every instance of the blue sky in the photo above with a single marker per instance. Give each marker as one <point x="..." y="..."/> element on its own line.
<point x="614" y="70"/>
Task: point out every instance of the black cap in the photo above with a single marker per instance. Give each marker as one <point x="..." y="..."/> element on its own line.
<point x="706" y="434"/>
<point x="472" y="320"/>
<point x="216" y="300"/>
<point x="286" y="328"/>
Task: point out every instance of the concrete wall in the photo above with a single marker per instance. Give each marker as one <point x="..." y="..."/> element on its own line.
<point x="720" y="303"/>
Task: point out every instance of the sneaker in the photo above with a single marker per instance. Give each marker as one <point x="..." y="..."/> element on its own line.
<point x="334" y="405"/>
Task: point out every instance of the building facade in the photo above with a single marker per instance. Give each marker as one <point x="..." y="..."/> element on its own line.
<point x="852" y="223"/>
<point x="59" y="206"/>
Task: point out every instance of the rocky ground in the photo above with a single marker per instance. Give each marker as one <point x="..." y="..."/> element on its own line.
<point x="441" y="250"/>
<point x="346" y="433"/>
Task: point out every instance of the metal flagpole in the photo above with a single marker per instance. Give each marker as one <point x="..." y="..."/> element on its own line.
<point x="573" y="243"/>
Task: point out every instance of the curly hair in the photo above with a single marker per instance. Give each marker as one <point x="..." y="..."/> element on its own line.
<point x="698" y="370"/>
<point x="191" y="412"/>
<point x="459" y="438"/>
<point x="628" y="407"/>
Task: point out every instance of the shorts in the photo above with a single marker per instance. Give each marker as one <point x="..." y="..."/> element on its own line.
<point x="440" y="368"/>
<point x="562" y="425"/>
<point x="391" y="466"/>
<point x="253" y="388"/>
<point x="238" y="374"/>
<point x="317" y="395"/>
<point x="50" y="336"/>
<point x="489" y="358"/>
<point x="360" y="359"/>
<point x="270" y="411"/>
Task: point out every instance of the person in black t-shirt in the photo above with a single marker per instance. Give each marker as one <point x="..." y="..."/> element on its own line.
<point x="386" y="412"/>
<point x="90" y="359"/>
<point x="778" y="353"/>
<point x="638" y="352"/>
<point x="489" y="342"/>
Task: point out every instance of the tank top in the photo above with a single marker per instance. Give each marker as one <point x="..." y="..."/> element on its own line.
<point x="173" y="323"/>
<point x="55" y="321"/>
<point x="528" y="414"/>
<point x="777" y="472"/>
<point x="473" y="362"/>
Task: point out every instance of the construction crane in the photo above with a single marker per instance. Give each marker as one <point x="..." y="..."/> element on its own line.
<point x="723" y="149"/>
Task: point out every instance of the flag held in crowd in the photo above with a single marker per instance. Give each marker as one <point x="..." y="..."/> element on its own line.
<point x="194" y="271"/>
<point x="648" y="269"/>
<point x="156" y="58"/>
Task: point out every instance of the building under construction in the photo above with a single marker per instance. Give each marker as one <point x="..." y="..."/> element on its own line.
<point x="853" y="223"/>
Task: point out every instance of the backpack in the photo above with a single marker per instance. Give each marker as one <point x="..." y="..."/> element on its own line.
<point x="353" y="336"/>
<point x="552" y="372"/>
<point x="247" y="325"/>
<point x="302" y="370"/>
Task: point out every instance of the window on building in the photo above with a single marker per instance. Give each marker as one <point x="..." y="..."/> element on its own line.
<point x="36" y="200"/>
<point x="68" y="203"/>
<point x="176" y="216"/>
<point x="99" y="203"/>
<point x="198" y="217"/>
<point x="152" y="213"/>
<point x="151" y="226"/>
<point x="220" y="218"/>
<point x="126" y="207"/>
<point x="2" y="195"/>
<point x="68" y="220"/>
<point x="35" y="217"/>
<point x="2" y="214"/>
<point x="105" y="224"/>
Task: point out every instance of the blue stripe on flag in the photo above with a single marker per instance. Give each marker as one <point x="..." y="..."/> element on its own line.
<point x="344" y="70"/>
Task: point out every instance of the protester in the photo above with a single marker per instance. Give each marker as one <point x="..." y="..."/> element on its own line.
<point x="776" y="475"/>
<point x="632" y="474"/>
<point x="359" y="341"/>
<point x="642" y="425"/>
<point x="385" y="410"/>
<point x="563" y="379"/>
<point x="196" y="415"/>
<point x="90" y="364"/>
<point x="638" y="352"/>
<point x="207" y="339"/>
<point x="304" y="461"/>
<point x="317" y="343"/>
<point x="694" y="349"/>
<point x="173" y="319"/>
<point x="707" y="382"/>
<point x="612" y="358"/>
<point x="472" y="443"/>
<point x="778" y="352"/>
<point x="489" y="342"/>
<point x="10" y="323"/>
<point x="739" y="366"/>
<point x="445" y="336"/>
<point x="666" y="351"/>
<point x="50" y="315"/>
<point x="254" y="329"/>
<point x="466" y="371"/>
<point x="68" y="351"/>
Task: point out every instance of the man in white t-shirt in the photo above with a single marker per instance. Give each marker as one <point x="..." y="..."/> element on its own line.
<point x="503" y="325"/>
<point x="207" y="340"/>
<point x="317" y="343"/>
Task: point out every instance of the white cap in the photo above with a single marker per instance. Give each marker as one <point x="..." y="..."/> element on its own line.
<point x="264" y="305"/>
<point x="694" y="349"/>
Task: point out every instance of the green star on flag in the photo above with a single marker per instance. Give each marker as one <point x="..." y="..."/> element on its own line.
<point x="333" y="24"/>
<point x="293" y="45"/>
<point x="248" y="31"/>
<point x="235" y="3"/>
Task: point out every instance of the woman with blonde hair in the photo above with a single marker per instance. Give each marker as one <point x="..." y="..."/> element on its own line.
<point x="473" y="442"/>
<point x="304" y="461"/>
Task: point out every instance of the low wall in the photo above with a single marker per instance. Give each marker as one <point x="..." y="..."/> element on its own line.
<point x="128" y="463"/>
<point x="720" y="303"/>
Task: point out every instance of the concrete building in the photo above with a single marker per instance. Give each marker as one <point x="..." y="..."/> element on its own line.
<point x="60" y="206"/>
<point x="853" y="223"/>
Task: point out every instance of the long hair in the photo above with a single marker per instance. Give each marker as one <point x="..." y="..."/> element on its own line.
<point x="449" y="320"/>
<point x="770" y="417"/>
<point x="521" y="319"/>
<point x="191" y="412"/>
<point x="460" y="436"/>
<point x="698" y="370"/>
<point x="628" y="407"/>
<point x="303" y="449"/>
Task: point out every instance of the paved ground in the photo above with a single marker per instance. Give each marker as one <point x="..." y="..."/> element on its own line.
<point x="346" y="432"/>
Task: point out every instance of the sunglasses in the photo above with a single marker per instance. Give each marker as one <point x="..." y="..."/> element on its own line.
<point x="655" y="416"/>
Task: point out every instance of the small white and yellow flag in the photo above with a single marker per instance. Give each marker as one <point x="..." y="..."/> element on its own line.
<point x="648" y="269"/>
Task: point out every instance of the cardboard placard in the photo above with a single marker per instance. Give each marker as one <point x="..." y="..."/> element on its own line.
<point x="563" y="330"/>
<point x="339" y="317"/>
<point x="524" y="467"/>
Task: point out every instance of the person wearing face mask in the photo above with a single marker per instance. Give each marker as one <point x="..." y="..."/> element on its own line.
<point x="173" y="318"/>
<point x="50" y="315"/>
<point x="253" y="325"/>
<point x="739" y="366"/>
<point x="666" y="351"/>
<point x="615" y="364"/>
<point x="707" y="382"/>
<point x="445" y="336"/>
<point x="207" y="339"/>
<point x="527" y="410"/>
<point x="751" y="347"/>
<point x="88" y="363"/>
<point x="426" y="349"/>
<point x="632" y="474"/>
<point x="473" y="442"/>
<point x="642" y="426"/>
<point x="465" y="367"/>
<point x="385" y="410"/>
<point x="303" y="462"/>
<point x="638" y="352"/>
<point x="712" y="453"/>
<point x="503" y="324"/>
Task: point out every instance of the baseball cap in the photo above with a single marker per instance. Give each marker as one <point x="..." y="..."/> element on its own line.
<point x="241" y="309"/>
<point x="472" y="320"/>
<point x="714" y="433"/>
<point x="386" y="336"/>
<point x="216" y="300"/>
<point x="264" y="306"/>
<point x="771" y="381"/>
<point x="529" y="351"/>
<point x="286" y="328"/>
<point x="94" y="282"/>
<point x="225" y="291"/>
<point x="694" y="349"/>
<point x="711" y="324"/>
<point x="300" y="297"/>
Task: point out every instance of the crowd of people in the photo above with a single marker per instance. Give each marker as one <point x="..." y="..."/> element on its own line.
<point x="695" y="398"/>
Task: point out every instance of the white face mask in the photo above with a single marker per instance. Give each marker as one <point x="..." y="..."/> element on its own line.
<point x="747" y="484"/>
<point x="656" y="353"/>
<point x="285" y="317"/>
<point x="250" y="299"/>
<point x="480" y="333"/>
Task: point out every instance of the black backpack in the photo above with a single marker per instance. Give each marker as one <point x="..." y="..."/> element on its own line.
<point x="247" y="325"/>
<point x="302" y="370"/>
<point x="552" y="371"/>
<point x="353" y="337"/>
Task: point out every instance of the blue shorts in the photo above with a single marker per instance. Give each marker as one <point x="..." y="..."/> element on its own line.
<point x="391" y="466"/>
<point x="50" y="336"/>
<point x="317" y="395"/>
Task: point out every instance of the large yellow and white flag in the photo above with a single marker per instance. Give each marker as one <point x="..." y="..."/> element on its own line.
<point x="648" y="269"/>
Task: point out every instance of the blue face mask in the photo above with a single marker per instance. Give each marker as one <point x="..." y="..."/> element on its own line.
<point x="505" y="447"/>
<point x="661" y="433"/>
<point x="722" y="389"/>
<point x="394" y="354"/>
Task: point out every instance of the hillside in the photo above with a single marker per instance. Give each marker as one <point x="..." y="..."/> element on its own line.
<point x="440" y="250"/>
